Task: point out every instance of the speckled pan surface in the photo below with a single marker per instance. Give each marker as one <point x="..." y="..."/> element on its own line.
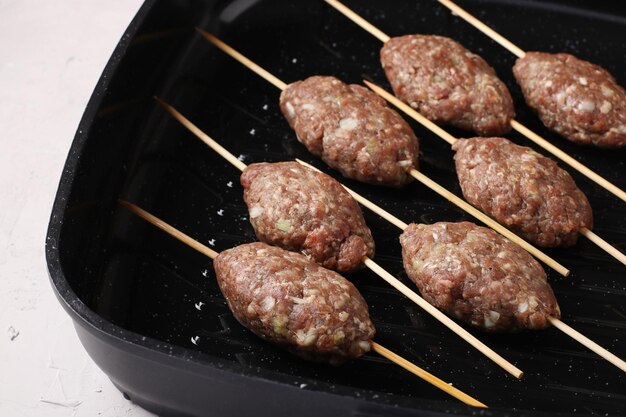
<point x="148" y="309"/>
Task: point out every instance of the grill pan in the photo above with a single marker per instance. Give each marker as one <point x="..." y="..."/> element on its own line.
<point x="148" y="310"/>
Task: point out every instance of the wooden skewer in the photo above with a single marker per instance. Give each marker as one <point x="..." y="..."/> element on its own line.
<point x="209" y="141"/>
<point x="611" y="250"/>
<point x="433" y="380"/>
<point x="590" y="344"/>
<point x="409" y="111"/>
<point x="202" y="136"/>
<point x="514" y="49"/>
<point x="383" y="37"/>
<point x="529" y="134"/>
<point x="395" y="358"/>
<point x="263" y="73"/>
<point x="186" y="239"/>
<point x="393" y="281"/>
<point x="245" y="61"/>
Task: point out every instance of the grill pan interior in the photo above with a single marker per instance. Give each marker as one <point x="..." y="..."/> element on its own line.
<point x="124" y="282"/>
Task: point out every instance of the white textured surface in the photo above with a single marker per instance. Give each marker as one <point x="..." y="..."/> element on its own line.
<point x="51" y="56"/>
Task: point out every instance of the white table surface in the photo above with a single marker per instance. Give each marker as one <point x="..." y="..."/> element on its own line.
<point x="51" y="56"/>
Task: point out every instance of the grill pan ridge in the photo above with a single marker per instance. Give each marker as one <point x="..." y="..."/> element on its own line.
<point x="148" y="310"/>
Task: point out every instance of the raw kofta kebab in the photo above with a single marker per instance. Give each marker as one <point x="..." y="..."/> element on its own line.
<point x="288" y="300"/>
<point x="578" y="100"/>
<point x="383" y="154"/>
<point x="299" y="208"/>
<point x="449" y="84"/>
<point x="497" y="280"/>
<point x="534" y="198"/>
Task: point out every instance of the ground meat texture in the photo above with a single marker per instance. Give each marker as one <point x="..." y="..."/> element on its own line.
<point x="477" y="276"/>
<point x="352" y="130"/>
<point x="524" y="191"/>
<point x="575" y="98"/>
<point x="447" y="83"/>
<point x="286" y="299"/>
<point x="299" y="209"/>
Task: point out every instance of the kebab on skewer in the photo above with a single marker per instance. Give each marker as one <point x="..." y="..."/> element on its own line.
<point x="523" y="190"/>
<point x="305" y="211"/>
<point x="352" y="130"/>
<point x="447" y="83"/>
<point x="478" y="277"/>
<point x="578" y="100"/>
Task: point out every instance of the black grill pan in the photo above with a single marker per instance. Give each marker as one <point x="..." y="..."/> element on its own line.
<point x="148" y="310"/>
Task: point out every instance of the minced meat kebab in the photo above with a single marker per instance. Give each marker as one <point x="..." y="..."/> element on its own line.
<point x="447" y="83"/>
<point x="286" y="299"/>
<point x="575" y="98"/>
<point x="352" y="129"/>
<point x="522" y="190"/>
<point x="300" y="209"/>
<point x="477" y="276"/>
